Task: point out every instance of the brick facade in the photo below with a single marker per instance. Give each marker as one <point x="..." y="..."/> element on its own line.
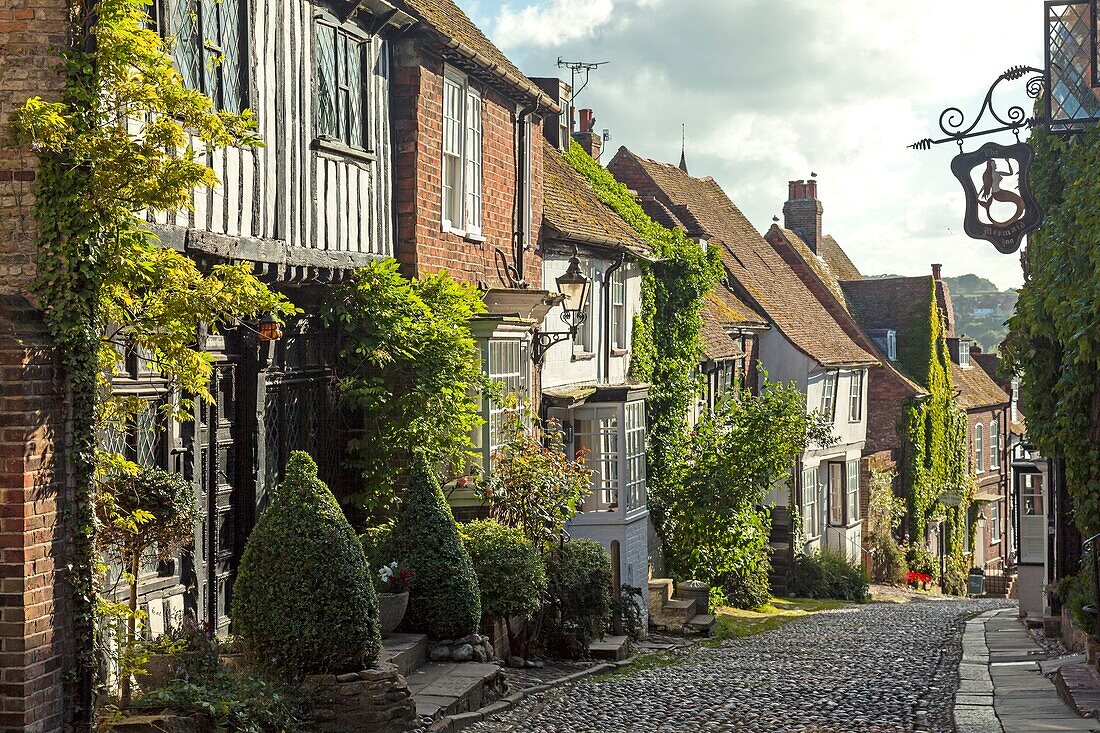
<point x="422" y="246"/>
<point x="991" y="481"/>
<point x="35" y="639"/>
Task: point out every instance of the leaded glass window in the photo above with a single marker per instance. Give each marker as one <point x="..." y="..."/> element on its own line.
<point x="207" y="39"/>
<point x="340" y="87"/>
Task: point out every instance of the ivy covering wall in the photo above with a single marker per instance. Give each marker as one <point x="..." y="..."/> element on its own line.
<point x="934" y="434"/>
<point x="667" y="343"/>
<point x="1054" y="337"/>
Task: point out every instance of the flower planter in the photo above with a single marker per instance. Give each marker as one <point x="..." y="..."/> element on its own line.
<point x="391" y="609"/>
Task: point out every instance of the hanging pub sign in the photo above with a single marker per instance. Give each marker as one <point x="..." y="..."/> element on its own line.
<point x="1000" y="206"/>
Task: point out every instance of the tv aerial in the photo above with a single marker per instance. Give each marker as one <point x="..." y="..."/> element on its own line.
<point x="576" y="69"/>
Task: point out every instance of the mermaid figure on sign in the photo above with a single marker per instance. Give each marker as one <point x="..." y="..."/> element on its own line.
<point x="992" y="190"/>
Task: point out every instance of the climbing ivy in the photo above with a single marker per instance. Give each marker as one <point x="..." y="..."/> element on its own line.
<point x="934" y="433"/>
<point x="667" y="342"/>
<point x="125" y="137"/>
<point x="1053" y="342"/>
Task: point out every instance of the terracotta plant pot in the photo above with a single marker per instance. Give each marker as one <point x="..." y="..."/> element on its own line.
<point x="391" y="609"/>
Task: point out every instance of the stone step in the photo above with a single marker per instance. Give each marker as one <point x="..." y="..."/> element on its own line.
<point x="660" y="592"/>
<point x="405" y="651"/>
<point x="448" y="688"/>
<point x="702" y="623"/>
<point x="673" y="615"/>
<point x="612" y="648"/>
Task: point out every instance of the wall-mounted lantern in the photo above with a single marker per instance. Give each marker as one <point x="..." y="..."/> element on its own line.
<point x="574" y="287"/>
<point x="269" y="329"/>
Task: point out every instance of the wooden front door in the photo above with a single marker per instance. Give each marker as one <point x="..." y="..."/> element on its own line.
<point x="224" y="454"/>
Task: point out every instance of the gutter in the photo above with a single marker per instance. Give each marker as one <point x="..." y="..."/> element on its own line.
<point x="522" y="85"/>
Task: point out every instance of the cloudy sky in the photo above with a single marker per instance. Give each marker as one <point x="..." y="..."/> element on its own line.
<point x="771" y="90"/>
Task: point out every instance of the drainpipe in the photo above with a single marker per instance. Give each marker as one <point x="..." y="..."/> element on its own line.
<point x="521" y="194"/>
<point x="606" y="287"/>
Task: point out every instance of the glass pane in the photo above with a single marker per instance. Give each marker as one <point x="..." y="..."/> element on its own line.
<point x="183" y="20"/>
<point x="230" y="69"/>
<point x="211" y="48"/>
<point x="355" y="92"/>
<point x="328" y="123"/>
<point x="1069" y="48"/>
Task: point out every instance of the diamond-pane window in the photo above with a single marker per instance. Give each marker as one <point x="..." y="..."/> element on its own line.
<point x="207" y="40"/>
<point x="1071" y="60"/>
<point x="340" y="86"/>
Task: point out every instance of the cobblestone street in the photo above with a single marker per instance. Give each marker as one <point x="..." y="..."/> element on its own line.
<point x="874" y="668"/>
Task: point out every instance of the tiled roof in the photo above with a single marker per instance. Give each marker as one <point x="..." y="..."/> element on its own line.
<point x="895" y="303"/>
<point x="976" y="388"/>
<point x="753" y="265"/>
<point x="456" y="31"/>
<point x="821" y="267"/>
<point x="571" y="208"/>
<point x="834" y="254"/>
<point x="721" y="310"/>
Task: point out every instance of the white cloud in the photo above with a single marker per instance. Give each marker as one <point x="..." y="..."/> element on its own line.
<point x="549" y="24"/>
<point x="772" y="89"/>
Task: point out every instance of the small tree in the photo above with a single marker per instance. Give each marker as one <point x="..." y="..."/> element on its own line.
<point x="444" y="600"/>
<point x="534" y="486"/>
<point x="409" y="363"/>
<point x="140" y="510"/>
<point x="713" y="521"/>
<point x="303" y="600"/>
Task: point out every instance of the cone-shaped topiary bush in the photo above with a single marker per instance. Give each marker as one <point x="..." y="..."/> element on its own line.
<point x="303" y="601"/>
<point x="444" y="601"/>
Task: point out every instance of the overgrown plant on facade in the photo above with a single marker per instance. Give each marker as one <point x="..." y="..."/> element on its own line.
<point x="885" y="513"/>
<point x="409" y="363"/>
<point x="934" y="433"/>
<point x="533" y="484"/>
<point x="1053" y="342"/>
<point x="125" y="137"/>
<point x="713" y="525"/>
<point x="666" y="342"/>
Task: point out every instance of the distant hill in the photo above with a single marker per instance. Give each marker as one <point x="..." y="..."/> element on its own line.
<point x="980" y="308"/>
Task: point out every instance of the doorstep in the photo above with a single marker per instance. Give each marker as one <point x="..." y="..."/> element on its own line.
<point x="405" y="651"/>
<point x="449" y="688"/>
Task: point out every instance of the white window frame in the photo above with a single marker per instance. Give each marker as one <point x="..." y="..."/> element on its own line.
<point x="855" y="396"/>
<point x="994" y="444"/>
<point x="892" y="345"/>
<point x="979" y="448"/>
<point x="836" y="503"/>
<point x="810" y="509"/>
<point x="584" y="344"/>
<point x="828" y="394"/>
<point x="598" y="429"/>
<point x="506" y="360"/>
<point x="852" y="491"/>
<point x="619" y="314"/>
<point x="964" y="353"/>
<point x="461" y="191"/>
<point x="634" y="426"/>
<point x="995" y="522"/>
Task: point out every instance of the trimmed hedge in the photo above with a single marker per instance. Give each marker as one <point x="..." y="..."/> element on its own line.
<point x="510" y="573"/>
<point x="303" y="601"/>
<point x="579" y="610"/>
<point x="444" y="600"/>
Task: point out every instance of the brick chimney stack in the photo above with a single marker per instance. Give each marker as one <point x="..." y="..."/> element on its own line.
<point x="936" y="270"/>
<point x="802" y="212"/>
<point x="588" y="138"/>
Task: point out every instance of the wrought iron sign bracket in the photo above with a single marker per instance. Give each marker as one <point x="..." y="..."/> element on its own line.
<point x="544" y="340"/>
<point x="1014" y="119"/>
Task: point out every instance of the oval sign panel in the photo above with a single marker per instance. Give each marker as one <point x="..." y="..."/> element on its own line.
<point x="1000" y="206"/>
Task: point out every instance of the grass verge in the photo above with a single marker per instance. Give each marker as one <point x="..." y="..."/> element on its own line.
<point x="733" y="623"/>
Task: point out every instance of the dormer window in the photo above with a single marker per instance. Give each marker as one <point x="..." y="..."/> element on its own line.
<point x="964" y="353"/>
<point x="887" y="340"/>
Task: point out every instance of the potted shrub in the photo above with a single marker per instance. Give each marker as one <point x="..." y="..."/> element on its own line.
<point x="392" y="583"/>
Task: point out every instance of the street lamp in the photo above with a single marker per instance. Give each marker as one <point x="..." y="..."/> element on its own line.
<point x="573" y="286"/>
<point x="269" y="329"/>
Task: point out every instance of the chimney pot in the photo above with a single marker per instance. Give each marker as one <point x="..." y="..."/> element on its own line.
<point x="936" y="270"/>
<point x="587" y="120"/>
<point x="811" y="190"/>
<point x="792" y="188"/>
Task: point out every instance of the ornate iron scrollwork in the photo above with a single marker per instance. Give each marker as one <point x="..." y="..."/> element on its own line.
<point x="953" y="122"/>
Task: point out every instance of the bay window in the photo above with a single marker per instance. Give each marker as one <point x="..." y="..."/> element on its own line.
<point x="611" y="438"/>
<point x="462" y="151"/>
<point x="509" y="363"/>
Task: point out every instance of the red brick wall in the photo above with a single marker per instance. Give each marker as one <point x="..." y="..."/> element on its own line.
<point x="422" y="247"/>
<point x="34" y="637"/>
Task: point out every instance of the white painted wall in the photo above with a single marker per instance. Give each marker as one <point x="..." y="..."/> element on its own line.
<point x="565" y="363"/>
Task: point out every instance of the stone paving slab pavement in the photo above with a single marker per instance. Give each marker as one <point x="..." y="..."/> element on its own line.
<point x="1001" y="686"/>
<point x="874" y="668"/>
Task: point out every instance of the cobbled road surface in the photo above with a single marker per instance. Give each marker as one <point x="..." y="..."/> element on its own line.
<point x="875" y="668"/>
